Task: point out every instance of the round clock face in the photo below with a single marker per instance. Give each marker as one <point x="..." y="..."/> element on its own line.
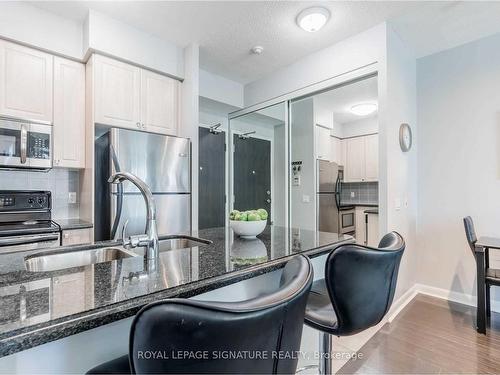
<point x="405" y="137"/>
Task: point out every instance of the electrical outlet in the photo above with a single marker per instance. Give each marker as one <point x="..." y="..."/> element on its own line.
<point x="72" y="197"/>
<point x="353" y="194"/>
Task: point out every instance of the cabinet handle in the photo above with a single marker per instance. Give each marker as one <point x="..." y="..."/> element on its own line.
<point x="138" y="125"/>
<point x="143" y="126"/>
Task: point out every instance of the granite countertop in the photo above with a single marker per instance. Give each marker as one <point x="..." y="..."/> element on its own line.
<point x="39" y="307"/>
<point x="371" y="211"/>
<point x="67" y="224"/>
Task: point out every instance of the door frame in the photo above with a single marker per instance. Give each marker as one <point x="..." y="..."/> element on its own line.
<point x="226" y="161"/>
<point x="231" y="182"/>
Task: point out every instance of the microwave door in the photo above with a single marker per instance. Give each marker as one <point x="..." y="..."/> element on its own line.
<point x="10" y="143"/>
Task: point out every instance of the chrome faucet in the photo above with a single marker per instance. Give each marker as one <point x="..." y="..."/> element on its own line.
<point x="150" y="238"/>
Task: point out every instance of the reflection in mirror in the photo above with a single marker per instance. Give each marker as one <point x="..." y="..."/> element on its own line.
<point x="259" y="162"/>
<point x="334" y="158"/>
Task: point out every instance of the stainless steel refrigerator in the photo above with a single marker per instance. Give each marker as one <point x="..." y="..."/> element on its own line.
<point x="163" y="162"/>
<point x="328" y="192"/>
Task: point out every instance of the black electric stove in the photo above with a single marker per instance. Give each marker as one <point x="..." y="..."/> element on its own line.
<point x="25" y="220"/>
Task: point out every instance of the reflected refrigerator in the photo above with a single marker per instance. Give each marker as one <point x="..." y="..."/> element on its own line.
<point x="328" y="191"/>
<point x="163" y="162"/>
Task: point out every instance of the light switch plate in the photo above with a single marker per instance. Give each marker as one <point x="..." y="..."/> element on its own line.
<point x="397" y="204"/>
<point x="353" y="194"/>
<point x="72" y="197"/>
<point x="306" y="199"/>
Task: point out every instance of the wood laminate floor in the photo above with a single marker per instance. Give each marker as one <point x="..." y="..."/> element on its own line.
<point x="431" y="336"/>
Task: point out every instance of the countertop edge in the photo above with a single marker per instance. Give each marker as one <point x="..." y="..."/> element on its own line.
<point x="31" y="337"/>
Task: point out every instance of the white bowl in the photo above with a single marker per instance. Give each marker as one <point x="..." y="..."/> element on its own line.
<point x="248" y="229"/>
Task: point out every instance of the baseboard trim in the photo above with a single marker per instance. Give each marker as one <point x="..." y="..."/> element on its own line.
<point x="401" y="303"/>
<point x="449" y="295"/>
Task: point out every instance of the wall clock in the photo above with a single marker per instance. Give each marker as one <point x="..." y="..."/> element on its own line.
<point x="405" y="137"/>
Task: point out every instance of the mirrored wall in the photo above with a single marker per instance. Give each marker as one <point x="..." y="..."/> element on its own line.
<point x="258" y="162"/>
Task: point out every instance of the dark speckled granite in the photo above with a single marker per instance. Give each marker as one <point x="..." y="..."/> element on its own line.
<point x="47" y="306"/>
<point x="67" y="224"/>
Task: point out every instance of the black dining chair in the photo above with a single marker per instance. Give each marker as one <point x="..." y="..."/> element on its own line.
<point x="257" y="336"/>
<point x="491" y="275"/>
<point x="355" y="294"/>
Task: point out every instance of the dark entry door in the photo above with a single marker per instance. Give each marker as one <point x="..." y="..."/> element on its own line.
<point x="212" y="179"/>
<point x="252" y="174"/>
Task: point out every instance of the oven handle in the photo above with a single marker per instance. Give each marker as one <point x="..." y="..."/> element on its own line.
<point x="24" y="143"/>
<point x="23" y="240"/>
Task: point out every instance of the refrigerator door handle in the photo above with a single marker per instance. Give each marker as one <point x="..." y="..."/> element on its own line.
<point x="338" y="192"/>
<point x="119" y="194"/>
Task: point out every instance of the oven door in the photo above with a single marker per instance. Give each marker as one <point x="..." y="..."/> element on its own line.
<point x="24" y="145"/>
<point x="10" y="244"/>
<point x="347" y="221"/>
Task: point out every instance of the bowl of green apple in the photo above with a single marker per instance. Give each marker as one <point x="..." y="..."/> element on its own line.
<point x="248" y="224"/>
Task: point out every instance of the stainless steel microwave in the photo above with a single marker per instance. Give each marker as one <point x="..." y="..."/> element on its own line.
<point x="25" y="145"/>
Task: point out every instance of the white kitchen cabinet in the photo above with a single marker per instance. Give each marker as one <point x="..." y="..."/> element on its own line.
<point x="117" y="92"/>
<point x="25" y="83"/>
<point x="360" y="225"/>
<point x="371" y="157"/>
<point x="159" y="103"/>
<point x="130" y="97"/>
<point x="336" y="150"/>
<point x="323" y="143"/>
<point x="361" y="159"/>
<point x="355" y="159"/>
<point x="76" y="236"/>
<point x="372" y="234"/>
<point x="69" y="114"/>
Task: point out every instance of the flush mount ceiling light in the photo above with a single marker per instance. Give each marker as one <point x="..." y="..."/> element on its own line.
<point x="313" y="19"/>
<point x="364" y="109"/>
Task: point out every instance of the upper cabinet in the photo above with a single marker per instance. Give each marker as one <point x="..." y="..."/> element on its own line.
<point x="130" y="97"/>
<point x="25" y="83"/>
<point x="69" y="113"/>
<point x="159" y="102"/>
<point x="116" y="93"/>
<point x="323" y="143"/>
<point x="361" y="158"/>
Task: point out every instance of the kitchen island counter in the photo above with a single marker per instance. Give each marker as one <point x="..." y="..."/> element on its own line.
<point x="41" y="307"/>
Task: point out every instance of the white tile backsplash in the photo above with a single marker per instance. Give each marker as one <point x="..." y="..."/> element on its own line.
<point x="59" y="181"/>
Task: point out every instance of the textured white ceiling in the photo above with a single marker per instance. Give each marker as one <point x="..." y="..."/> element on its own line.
<point x="226" y="31"/>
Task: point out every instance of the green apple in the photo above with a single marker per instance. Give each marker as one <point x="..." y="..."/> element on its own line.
<point x="262" y="213"/>
<point x="243" y="216"/>
<point x="233" y="213"/>
<point x="237" y="216"/>
<point x="253" y="216"/>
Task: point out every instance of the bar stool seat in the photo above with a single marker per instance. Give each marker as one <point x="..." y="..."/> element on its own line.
<point x="355" y="294"/>
<point x="319" y="310"/>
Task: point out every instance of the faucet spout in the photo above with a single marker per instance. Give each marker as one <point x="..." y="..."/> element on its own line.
<point x="150" y="240"/>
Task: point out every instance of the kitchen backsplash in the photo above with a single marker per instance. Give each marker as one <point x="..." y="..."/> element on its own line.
<point x="364" y="193"/>
<point x="59" y="181"/>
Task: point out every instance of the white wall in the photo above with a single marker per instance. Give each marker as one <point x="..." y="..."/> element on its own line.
<point x="398" y="170"/>
<point x="459" y="159"/>
<point x="303" y="214"/>
<point x="107" y="35"/>
<point x="352" y="53"/>
<point x="221" y="89"/>
<point x="360" y="127"/>
<point x="36" y="27"/>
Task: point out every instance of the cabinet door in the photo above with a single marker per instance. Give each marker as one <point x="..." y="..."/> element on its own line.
<point x="372" y="235"/>
<point x="360" y="225"/>
<point x="371" y="157"/>
<point x="25" y="83"/>
<point x="68" y="294"/>
<point x="336" y="150"/>
<point x="69" y="113"/>
<point x="159" y="103"/>
<point x="355" y="159"/>
<point x="76" y="236"/>
<point x="323" y="144"/>
<point x="116" y="93"/>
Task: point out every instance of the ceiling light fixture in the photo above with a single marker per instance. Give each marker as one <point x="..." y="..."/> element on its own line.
<point x="313" y="19"/>
<point x="364" y="109"/>
<point x="257" y="50"/>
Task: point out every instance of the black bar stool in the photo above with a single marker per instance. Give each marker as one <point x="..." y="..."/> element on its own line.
<point x="355" y="294"/>
<point x="205" y="337"/>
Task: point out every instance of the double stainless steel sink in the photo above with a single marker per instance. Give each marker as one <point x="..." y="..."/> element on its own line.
<point x="57" y="260"/>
